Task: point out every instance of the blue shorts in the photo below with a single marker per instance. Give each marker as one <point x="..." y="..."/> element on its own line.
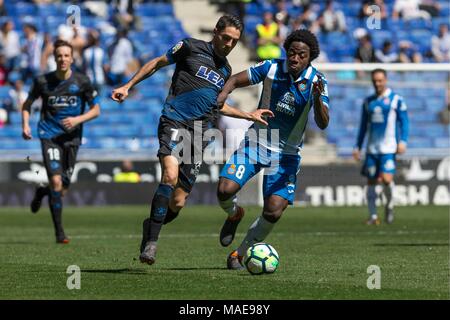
<point x="280" y="174"/>
<point x="375" y="164"/>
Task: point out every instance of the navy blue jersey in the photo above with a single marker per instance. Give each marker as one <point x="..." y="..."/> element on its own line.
<point x="61" y="99"/>
<point x="199" y="77"/>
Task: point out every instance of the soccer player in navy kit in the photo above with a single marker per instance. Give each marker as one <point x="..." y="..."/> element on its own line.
<point x="291" y="88"/>
<point x="64" y="95"/>
<point x="200" y="74"/>
<point x="384" y="118"/>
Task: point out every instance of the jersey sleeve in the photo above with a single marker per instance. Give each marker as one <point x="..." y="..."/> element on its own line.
<point x="258" y="72"/>
<point x="90" y="94"/>
<point x="362" y="125"/>
<point x="402" y="120"/>
<point x="179" y="51"/>
<point x="35" y="91"/>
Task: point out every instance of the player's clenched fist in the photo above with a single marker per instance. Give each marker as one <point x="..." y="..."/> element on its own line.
<point x="120" y="94"/>
<point x="26" y="133"/>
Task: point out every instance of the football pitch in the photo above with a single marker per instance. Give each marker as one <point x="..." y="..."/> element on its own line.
<point x="324" y="254"/>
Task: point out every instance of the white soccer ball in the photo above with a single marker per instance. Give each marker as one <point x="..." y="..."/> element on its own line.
<point x="261" y="258"/>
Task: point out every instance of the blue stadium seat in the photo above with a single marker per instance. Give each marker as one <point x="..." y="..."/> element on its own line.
<point x="442" y="142"/>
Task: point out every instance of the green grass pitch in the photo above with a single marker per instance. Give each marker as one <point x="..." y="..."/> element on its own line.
<point x="324" y="254"/>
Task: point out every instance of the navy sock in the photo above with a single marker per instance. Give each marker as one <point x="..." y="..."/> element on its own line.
<point x="56" y="210"/>
<point x="170" y="216"/>
<point x="158" y="212"/>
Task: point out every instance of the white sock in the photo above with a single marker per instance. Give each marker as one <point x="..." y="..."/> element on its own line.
<point x="388" y="192"/>
<point x="257" y="232"/>
<point x="371" y="201"/>
<point x="229" y="206"/>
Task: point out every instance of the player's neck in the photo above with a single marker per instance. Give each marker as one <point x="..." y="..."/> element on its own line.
<point x="63" y="75"/>
<point x="383" y="92"/>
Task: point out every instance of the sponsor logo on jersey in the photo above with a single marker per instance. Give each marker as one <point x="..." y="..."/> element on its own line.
<point x="377" y="115"/>
<point x="62" y="101"/>
<point x="210" y="76"/>
<point x="286" y="104"/>
<point x="177" y="47"/>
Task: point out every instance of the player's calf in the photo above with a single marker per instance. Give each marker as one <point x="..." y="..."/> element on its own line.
<point x="39" y="194"/>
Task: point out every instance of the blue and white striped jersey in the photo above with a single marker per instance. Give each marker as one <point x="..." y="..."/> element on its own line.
<point x="385" y="119"/>
<point x="289" y="99"/>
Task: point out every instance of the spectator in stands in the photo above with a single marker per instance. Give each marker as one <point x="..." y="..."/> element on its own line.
<point x="409" y="9"/>
<point x="123" y="16"/>
<point x="365" y="52"/>
<point x="94" y="58"/>
<point x="17" y="94"/>
<point x="76" y="36"/>
<point x="366" y="11"/>
<point x="9" y="42"/>
<point x="3" y="117"/>
<point x="3" y="11"/>
<point x="283" y="30"/>
<point x="309" y="18"/>
<point x="48" y="63"/>
<point x="440" y="44"/>
<point x="430" y="6"/>
<point x="408" y="53"/>
<point x="127" y="174"/>
<point x="268" y="38"/>
<point x="120" y="55"/>
<point x="235" y="7"/>
<point x="281" y="14"/>
<point x="3" y="70"/>
<point x="32" y="50"/>
<point x="385" y="54"/>
<point x="332" y="19"/>
<point x="444" y="115"/>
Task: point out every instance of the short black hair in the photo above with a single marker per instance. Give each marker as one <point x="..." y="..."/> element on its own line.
<point x="378" y="70"/>
<point x="61" y="43"/>
<point x="307" y="37"/>
<point x="229" y="20"/>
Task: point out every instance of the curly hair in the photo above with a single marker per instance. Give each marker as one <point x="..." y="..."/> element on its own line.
<point x="306" y="37"/>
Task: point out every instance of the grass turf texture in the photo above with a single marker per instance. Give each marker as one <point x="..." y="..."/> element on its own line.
<point x="324" y="254"/>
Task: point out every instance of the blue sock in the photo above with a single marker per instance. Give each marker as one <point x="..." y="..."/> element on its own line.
<point x="158" y="211"/>
<point x="56" y="210"/>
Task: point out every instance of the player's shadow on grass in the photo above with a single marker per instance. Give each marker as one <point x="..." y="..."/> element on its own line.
<point x="195" y="268"/>
<point x="411" y="244"/>
<point x="116" y="271"/>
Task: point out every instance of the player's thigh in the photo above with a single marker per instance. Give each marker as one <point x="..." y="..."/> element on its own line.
<point x="239" y="168"/>
<point x="53" y="156"/>
<point x="387" y="167"/>
<point x="371" y="167"/>
<point x="69" y="160"/>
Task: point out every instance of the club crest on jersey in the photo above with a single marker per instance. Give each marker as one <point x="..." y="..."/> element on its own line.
<point x="302" y="86"/>
<point x="73" y="88"/>
<point x="386" y="100"/>
<point x="210" y="76"/>
<point x="177" y="47"/>
<point x="232" y="169"/>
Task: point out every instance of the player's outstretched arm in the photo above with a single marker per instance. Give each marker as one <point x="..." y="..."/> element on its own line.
<point x="26" y="130"/>
<point x="255" y="116"/>
<point x="238" y="80"/>
<point x="121" y="93"/>
<point x="71" y="122"/>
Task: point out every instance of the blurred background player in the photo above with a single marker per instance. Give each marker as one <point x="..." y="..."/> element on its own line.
<point x="201" y="71"/>
<point x="291" y="87"/>
<point x="384" y="116"/>
<point x="64" y="94"/>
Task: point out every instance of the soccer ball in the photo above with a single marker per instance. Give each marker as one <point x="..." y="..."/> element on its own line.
<point x="261" y="258"/>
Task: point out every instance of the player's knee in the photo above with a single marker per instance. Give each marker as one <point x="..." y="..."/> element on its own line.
<point x="170" y="178"/>
<point x="387" y="179"/>
<point x="226" y="189"/>
<point x="272" y="216"/>
<point x="56" y="183"/>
